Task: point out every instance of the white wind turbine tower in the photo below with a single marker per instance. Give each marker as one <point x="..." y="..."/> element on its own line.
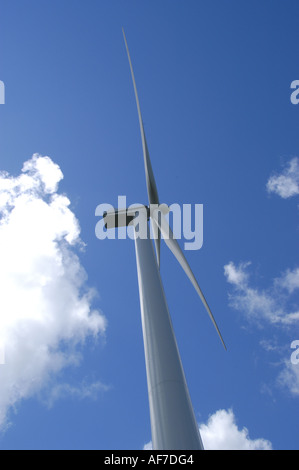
<point x="173" y="424"/>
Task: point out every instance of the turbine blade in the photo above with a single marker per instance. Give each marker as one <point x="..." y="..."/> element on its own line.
<point x="173" y="245"/>
<point x="149" y="175"/>
<point x="157" y="240"/>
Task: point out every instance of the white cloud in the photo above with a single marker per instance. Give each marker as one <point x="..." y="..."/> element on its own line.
<point x="148" y="446"/>
<point x="236" y="275"/>
<point x="222" y="433"/>
<point x="268" y="305"/>
<point x="45" y="171"/>
<point x="45" y="304"/>
<point x="287" y="183"/>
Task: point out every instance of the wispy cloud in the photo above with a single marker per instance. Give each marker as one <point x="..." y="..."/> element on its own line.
<point x="286" y="184"/>
<point x="80" y="391"/>
<point x="289" y="280"/>
<point x="45" y="303"/>
<point x="271" y="304"/>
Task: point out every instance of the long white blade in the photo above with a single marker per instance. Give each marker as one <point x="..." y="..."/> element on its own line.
<point x="173" y="245"/>
<point x="149" y="175"/>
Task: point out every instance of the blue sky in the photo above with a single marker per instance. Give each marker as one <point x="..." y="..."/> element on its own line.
<point x="214" y="87"/>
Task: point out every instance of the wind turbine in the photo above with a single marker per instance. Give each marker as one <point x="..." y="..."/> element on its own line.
<point x="173" y="424"/>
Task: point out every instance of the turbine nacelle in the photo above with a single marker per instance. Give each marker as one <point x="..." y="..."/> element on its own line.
<point x="125" y="217"/>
